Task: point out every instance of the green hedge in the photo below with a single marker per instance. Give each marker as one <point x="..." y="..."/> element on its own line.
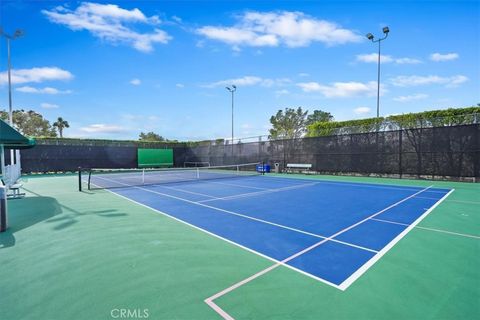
<point x="105" y="142"/>
<point x="434" y="118"/>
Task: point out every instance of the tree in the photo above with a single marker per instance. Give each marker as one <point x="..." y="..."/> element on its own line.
<point x="318" y="116"/>
<point x="61" y="124"/>
<point x="151" y="136"/>
<point x="288" y="124"/>
<point x="30" y="123"/>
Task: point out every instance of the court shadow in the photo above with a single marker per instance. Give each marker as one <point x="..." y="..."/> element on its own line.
<point x="71" y="216"/>
<point x="31" y="210"/>
<point x="26" y="212"/>
<point x="7" y="239"/>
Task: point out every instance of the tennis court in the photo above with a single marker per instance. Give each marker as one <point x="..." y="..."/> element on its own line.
<point x="330" y="231"/>
<point x="206" y="244"/>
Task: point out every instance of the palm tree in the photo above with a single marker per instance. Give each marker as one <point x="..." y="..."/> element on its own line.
<point x="61" y="124"/>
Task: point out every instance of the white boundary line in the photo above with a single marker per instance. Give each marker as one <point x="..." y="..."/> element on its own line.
<point x="234" y="184"/>
<point x="232" y="242"/>
<point x="453" y="200"/>
<point x="448" y="232"/>
<point x="191" y="192"/>
<point x="356" y="184"/>
<point x="342" y="286"/>
<point x="431" y="229"/>
<point x="345" y="284"/>
<point x="248" y="194"/>
<point x="245" y="216"/>
<point x="260" y="188"/>
<point x="391" y="222"/>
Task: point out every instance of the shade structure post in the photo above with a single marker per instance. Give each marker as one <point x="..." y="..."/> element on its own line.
<point x="3" y="195"/>
<point x="2" y="156"/>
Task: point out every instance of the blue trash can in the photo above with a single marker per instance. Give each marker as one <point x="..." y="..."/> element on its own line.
<point x="263" y="168"/>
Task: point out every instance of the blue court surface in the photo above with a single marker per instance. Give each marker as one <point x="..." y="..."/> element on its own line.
<point x="331" y="231"/>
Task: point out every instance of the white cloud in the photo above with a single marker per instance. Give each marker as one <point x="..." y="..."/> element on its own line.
<point x="177" y="19"/>
<point x="279" y="82"/>
<point x="135" y="82"/>
<point x="373" y="58"/>
<point x="361" y="110"/>
<point x="341" y="89"/>
<point x="303" y="74"/>
<point x="407" y="61"/>
<point x="109" y="22"/>
<point x="411" y="81"/>
<point x="417" y="96"/>
<point x="153" y="118"/>
<point x="49" y="106"/>
<point x="46" y="90"/>
<point x="438" y="57"/>
<point x="180" y="85"/>
<point x="243" y="81"/>
<point x="103" y="128"/>
<point x="249" y="81"/>
<point x="282" y="92"/>
<point x="310" y="86"/>
<point x="291" y="29"/>
<point x="20" y="76"/>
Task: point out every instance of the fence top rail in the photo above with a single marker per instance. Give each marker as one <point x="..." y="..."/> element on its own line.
<point x="387" y="125"/>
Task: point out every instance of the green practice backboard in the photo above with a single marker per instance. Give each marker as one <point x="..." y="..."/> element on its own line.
<point x="155" y="158"/>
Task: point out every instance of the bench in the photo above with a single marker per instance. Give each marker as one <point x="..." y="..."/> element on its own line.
<point x="15" y="188"/>
<point x="299" y="167"/>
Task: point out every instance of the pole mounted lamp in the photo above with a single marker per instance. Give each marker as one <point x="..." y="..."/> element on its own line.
<point x="232" y="90"/>
<point x="371" y="37"/>
<point x="18" y="33"/>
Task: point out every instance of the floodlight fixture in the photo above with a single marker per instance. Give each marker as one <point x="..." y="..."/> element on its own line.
<point x="232" y="90"/>
<point x="18" y="33"/>
<point x="371" y="37"/>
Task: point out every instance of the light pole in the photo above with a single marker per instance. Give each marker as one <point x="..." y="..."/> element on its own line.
<point x="232" y="90"/>
<point x="18" y="33"/>
<point x="370" y="36"/>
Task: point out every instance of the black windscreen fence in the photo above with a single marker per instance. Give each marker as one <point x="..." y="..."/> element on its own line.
<point x="424" y="152"/>
<point x="52" y="156"/>
<point x="46" y="158"/>
<point x="449" y="152"/>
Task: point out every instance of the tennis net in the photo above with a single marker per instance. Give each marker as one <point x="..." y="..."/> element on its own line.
<point x="118" y="178"/>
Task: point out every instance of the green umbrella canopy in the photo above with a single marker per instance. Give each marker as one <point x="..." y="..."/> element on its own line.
<point x="12" y="139"/>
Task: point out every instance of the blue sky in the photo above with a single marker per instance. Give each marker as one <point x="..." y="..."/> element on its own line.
<point x="113" y="69"/>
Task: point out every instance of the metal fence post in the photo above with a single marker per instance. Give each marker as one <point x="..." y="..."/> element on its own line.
<point x="400" y="139"/>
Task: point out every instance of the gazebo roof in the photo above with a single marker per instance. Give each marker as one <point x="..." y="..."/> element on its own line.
<point x="12" y="139"/>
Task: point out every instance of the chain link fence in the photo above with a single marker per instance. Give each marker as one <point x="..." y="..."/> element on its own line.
<point x="448" y="152"/>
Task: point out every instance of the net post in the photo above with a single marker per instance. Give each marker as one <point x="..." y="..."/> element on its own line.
<point x="198" y="173"/>
<point x="80" y="179"/>
<point x="89" y="178"/>
<point x="263" y="168"/>
<point x="143" y="176"/>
